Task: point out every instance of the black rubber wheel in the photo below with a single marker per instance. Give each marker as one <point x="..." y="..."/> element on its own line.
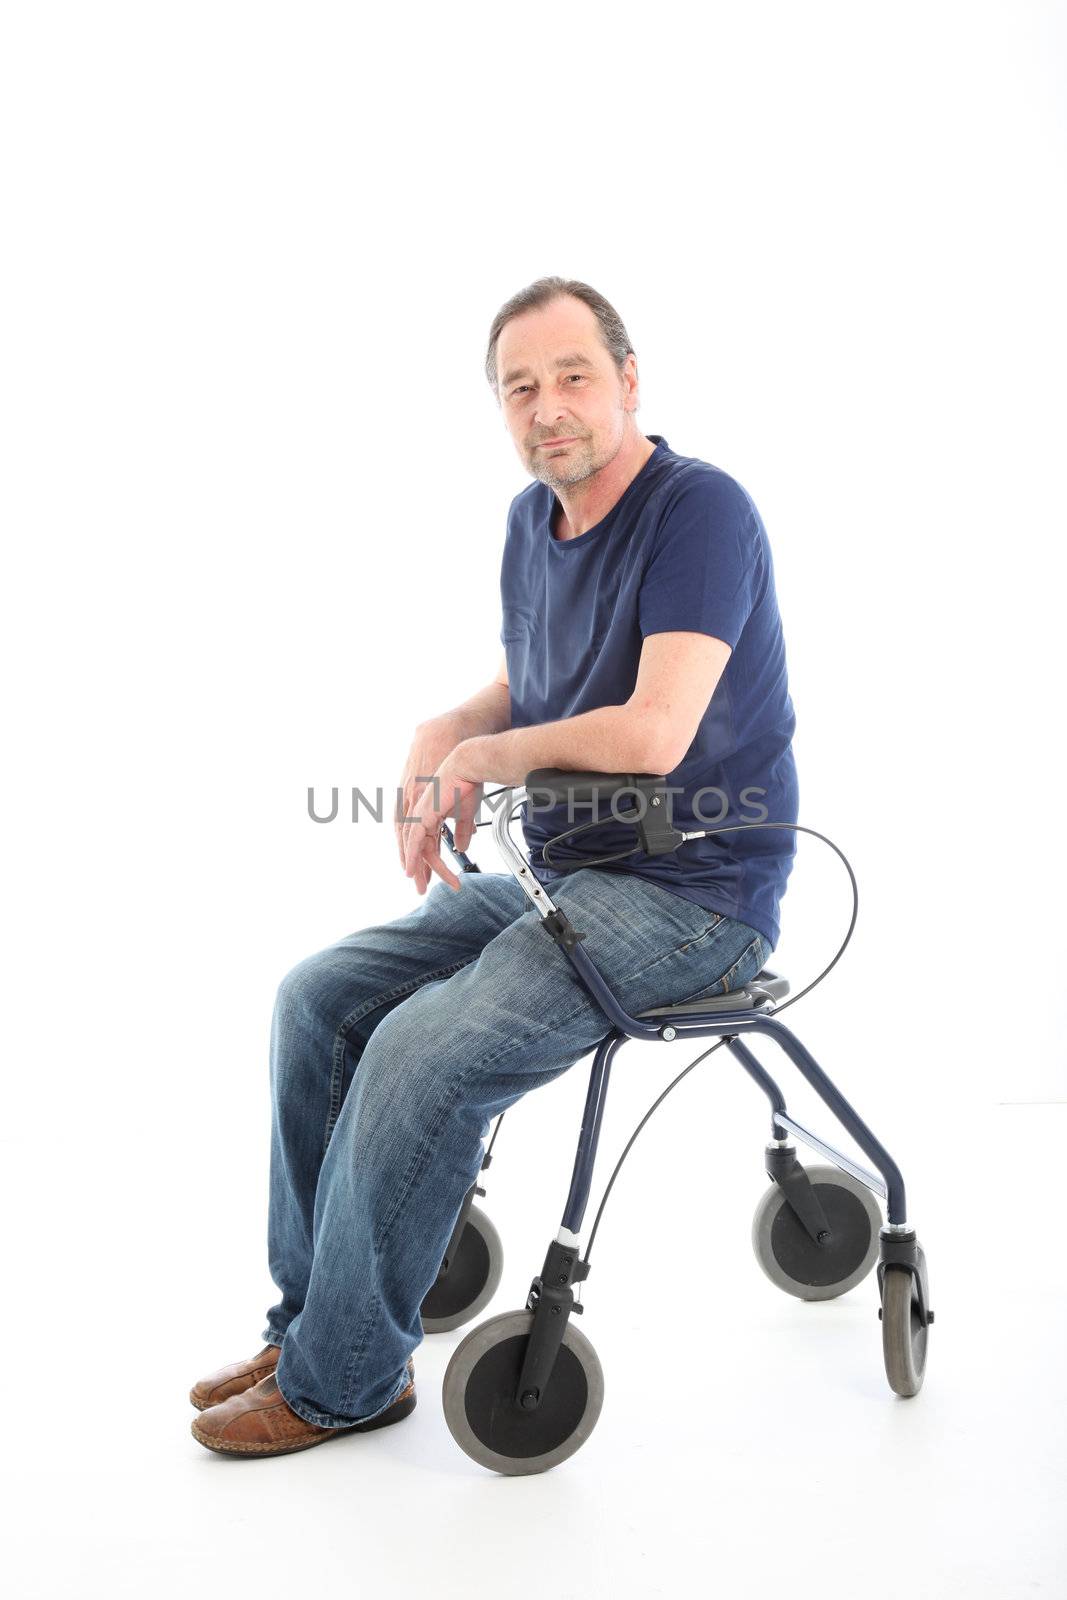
<point x="792" y="1259"/>
<point x="472" y="1279"/>
<point x="480" y="1408"/>
<point x="903" y="1335"/>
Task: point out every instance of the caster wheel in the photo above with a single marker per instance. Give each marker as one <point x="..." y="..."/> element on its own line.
<point x="792" y="1259"/>
<point x="480" y="1409"/>
<point x="903" y="1335"/>
<point x="472" y="1278"/>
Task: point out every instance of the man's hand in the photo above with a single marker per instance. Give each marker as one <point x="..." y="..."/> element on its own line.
<point x="448" y="794"/>
<point x="433" y="741"/>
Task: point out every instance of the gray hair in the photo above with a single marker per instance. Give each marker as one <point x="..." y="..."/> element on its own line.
<point x="541" y="293"/>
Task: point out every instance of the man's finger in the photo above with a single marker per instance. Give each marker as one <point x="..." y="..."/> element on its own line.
<point x="418" y="836"/>
<point x="401" y="827"/>
<point x="432" y="856"/>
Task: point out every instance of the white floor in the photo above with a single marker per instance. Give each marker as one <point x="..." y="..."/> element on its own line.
<point x="747" y="1439"/>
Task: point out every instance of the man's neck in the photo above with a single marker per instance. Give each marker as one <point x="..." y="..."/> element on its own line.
<point x="583" y="505"/>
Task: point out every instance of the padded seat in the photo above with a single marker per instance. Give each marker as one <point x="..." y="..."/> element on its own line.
<point x="764" y="990"/>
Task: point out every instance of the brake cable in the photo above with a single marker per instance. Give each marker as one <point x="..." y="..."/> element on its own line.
<point x="771" y="1011"/>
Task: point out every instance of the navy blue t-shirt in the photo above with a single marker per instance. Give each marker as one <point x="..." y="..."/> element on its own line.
<point x="682" y="549"/>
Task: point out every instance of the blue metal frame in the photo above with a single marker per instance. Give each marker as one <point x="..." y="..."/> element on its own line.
<point x="698" y="1025"/>
<point x="702" y="1026"/>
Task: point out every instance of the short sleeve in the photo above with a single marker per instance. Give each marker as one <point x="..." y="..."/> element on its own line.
<point x="705" y="565"/>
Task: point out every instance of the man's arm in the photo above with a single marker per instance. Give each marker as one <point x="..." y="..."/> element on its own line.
<point x="677" y="675"/>
<point x="486" y="712"/>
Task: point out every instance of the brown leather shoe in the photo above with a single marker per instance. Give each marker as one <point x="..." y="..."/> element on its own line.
<point x="257" y="1422"/>
<point x="234" y="1379"/>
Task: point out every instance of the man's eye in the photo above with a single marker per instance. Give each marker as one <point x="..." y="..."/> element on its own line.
<point x="577" y="375"/>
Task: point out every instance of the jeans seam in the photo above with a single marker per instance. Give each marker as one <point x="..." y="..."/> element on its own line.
<point x="417" y="1163"/>
<point x="727" y="976"/>
<point x="359" y="1347"/>
<point x="319" y="1419"/>
<point x="415" y="1169"/>
<point x="362" y="1010"/>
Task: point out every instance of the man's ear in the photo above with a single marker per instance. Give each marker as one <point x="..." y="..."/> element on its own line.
<point x="631" y="362"/>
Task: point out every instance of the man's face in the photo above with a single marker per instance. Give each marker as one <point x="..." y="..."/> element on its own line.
<point x="557" y="381"/>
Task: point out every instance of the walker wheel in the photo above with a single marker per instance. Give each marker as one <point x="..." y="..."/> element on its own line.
<point x="903" y="1335"/>
<point x="472" y="1278"/>
<point x="479" y="1397"/>
<point x="792" y="1259"/>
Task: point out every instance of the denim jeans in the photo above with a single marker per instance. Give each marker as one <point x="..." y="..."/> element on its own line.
<point x="392" y="1050"/>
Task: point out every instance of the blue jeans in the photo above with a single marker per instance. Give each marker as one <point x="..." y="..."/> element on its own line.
<point x="392" y="1050"/>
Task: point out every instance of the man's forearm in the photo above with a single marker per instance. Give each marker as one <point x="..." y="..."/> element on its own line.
<point x="609" y="739"/>
<point x="487" y="711"/>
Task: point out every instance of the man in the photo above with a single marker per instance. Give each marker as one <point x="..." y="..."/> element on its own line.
<point x="641" y="634"/>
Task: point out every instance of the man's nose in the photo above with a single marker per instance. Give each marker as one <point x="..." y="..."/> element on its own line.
<point x="548" y="411"/>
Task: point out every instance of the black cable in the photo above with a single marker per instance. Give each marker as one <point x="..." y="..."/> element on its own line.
<point x="772" y="1011"/>
<point x="633" y="1136"/>
<point x="795" y="827"/>
<point x="592" y="861"/>
<point x="737" y="827"/>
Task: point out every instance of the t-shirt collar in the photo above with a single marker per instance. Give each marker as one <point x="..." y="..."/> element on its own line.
<point x="608" y="519"/>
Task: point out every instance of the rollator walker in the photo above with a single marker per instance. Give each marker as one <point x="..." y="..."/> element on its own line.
<point x="524" y="1389"/>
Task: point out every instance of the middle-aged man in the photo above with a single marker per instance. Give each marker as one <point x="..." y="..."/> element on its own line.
<point x="641" y="633"/>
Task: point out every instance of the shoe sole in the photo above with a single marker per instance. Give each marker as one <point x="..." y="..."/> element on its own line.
<point x="396" y="1413"/>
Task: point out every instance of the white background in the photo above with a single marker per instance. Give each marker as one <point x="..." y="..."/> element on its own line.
<point x="254" y="492"/>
